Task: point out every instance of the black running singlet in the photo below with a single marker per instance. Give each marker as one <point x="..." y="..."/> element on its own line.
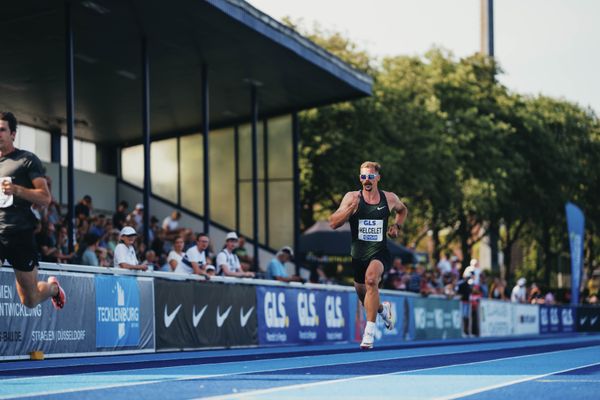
<point x="369" y="228"/>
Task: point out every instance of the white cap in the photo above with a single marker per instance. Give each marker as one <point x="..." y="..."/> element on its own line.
<point x="210" y="268"/>
<point x="521" y="282"/>
<point x="139" y="206"/>
<point x="288" y="250"/>
<point x="231" y="236"/>
<point x="128" y="231"/>
<point x="473" y="262"/>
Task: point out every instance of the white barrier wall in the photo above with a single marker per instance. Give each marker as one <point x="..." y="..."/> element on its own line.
<point x="501" y="318"/>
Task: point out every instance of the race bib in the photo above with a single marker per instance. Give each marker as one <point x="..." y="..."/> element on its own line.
<point x="370" y="230"/>
<point x="5" y="201"/>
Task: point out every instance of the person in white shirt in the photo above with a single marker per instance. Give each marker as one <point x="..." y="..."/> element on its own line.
<point x="228" y="264"/>
<point x="519" y="292"/>
<point x="175" y="256"/>
<point x="124" y="256"/>
<point x="195" y="260"/>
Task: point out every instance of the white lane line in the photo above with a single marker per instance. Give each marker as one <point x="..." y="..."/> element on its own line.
<point x="513" y="382"/>
<point x="364" y="377"/>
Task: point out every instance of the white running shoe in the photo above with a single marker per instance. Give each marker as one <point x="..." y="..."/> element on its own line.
<point x="387" y="316"/>
<point x="367" y="341"/>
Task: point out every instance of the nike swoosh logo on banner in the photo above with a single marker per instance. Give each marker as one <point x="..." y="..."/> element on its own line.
<point x="380" y="208"/>
<point x="582" y="320"/>
<point x="593" y="320"/>
<point x="170" y="317"/>
<point x="197" y="317"/>
<point x="245" y="317"/>
<point x="222" y="317"/>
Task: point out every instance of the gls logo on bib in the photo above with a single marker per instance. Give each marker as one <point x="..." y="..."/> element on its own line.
<point x="370" y="230"/>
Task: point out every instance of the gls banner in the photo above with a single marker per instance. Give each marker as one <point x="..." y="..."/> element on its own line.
<point x="554" y="319"/>
<point x="67" y="331"/>
<point x="117" y="311"/>
<point x="290" y="315"/>
<point x="200" y="314"/>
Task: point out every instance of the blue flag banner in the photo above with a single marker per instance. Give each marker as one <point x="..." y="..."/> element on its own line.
<point x="576" y="226"/>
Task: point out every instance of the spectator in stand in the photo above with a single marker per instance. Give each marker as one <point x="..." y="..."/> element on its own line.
<point x="476" y="270"/>
<point x="137" y="217"/>
<point x="210" y="270"/>
<point x="151" y="260"/>
<point x="428" y="284"/>
<point x="245" y="258"/>
<point x="176" y="255"/>
<point x="62" y="245"/>
<point x="498" y="289"/>
<point x="414" y="284"/>
<point x="456" y="266"/>
<point x="444" y="266"/>
<point x="46" y="243"/>
<point x="170" y="226"/>
<point x="549" y="298"/>
<point x="449" y="281"/>
<point x="228" y="264"/>
<point x="83" y="209"/>
<point x="89" y="257"/>
<point x="535" y="295"/>
<point x="276" y="268"/>
<point x="196" y="257"/>
<point x="120" y="216"/>
<point x="519" y="292"/>
<point x="483" y="285"/>
<point x="98" y="226"/>
<point x="464" y="289"/>
<point x="125" y="256"/>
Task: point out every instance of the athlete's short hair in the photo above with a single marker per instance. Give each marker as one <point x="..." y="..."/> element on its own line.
<point x="371" y="164"/>
<point x="10" y="118"/>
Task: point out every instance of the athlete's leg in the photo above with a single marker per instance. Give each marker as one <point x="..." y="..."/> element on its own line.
<point x="372" y="278"/>
<point x="30" y="290"/>
<point x="361" y="291"/>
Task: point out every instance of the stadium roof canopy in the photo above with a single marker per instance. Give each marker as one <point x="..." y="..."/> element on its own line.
<point x="239" y="44"/>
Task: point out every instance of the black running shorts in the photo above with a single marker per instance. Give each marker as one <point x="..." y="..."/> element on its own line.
<point x="19" y="250"/>
<point x="360" y="266"/>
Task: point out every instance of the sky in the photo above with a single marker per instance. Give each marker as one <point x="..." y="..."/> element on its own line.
<point x="549" y="47"/>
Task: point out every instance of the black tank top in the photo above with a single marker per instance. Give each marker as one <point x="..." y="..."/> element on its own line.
<point x="369" y="228"/>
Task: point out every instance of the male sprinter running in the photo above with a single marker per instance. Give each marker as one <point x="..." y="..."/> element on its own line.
<point x="368" y="211"/>
<point x="22" y="183"/>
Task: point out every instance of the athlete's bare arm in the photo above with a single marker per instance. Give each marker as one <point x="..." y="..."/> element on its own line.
<point x="397" y="206"/>
<point x="39" y="195"/>
<point x="348" y="207"/>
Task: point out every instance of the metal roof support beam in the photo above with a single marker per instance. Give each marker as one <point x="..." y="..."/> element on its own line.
<point x="266" y="179"/>
<point x="254" y="122"/>
<point x="296" y="178"/>
<point x="145" y="64"/>
<point x="205" y="148"/>
<point x="70" y="106"/>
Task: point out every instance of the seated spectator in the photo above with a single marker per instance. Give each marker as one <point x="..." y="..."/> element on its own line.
<point x="83" y="209"/>
<point x="414" y="284"/>
<point x="89" y="257"/>
<point x="125" y="256"/>
<point x="195" y="259"/>
<point x="170" y="226"/>
<point x="240" y="251"/>
<point x="137" y="217"/>
<point x="228" y="264"/>
<point x="444" y="266"/>
<point x="46" y="242"/>
<point x="176" y="255"/>
<point x="120" y="216"/>
<point x="535" y="295"/>
<point x="210" y="270"/>
<point x="151" y="260"/>
<point x="276" y="269"/>
<point x="498" y="289"/>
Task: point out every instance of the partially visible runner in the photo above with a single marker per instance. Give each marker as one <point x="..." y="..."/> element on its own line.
<point x="23" y="185"/>
<point x="368" y="211"/>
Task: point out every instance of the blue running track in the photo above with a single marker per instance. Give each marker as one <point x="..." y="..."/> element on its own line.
<point x="559" y="367"/>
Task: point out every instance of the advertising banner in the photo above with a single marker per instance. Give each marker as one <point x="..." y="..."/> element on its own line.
<point x="202" y="314"/>
<point x="437" y="318"/>
<point x="557" y="319"/>
<point x="293" y="315"/>
<point x="588" y="319"/>
<point x="526" y="319"/>
<point x="124" y="312"/>
<point x="495" y="318"/>
<point x="576" y="227"/>
<point x="67" y="331"/>
<point x="404" y="326"/>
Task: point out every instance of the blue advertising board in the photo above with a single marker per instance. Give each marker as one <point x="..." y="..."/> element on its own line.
<point x="557" y="319"/>
<point x="294" y="315"/>
<point x="117" y="311"/>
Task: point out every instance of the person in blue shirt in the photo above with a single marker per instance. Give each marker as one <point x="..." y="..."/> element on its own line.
<point x="276" y="269"/>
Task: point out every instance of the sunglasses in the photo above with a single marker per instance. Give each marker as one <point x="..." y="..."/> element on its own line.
<point x="369" y="176"/>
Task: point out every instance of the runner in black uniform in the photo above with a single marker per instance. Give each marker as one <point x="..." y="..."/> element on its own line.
<point x="22" y="184"/>
<point x="368" y="211"/>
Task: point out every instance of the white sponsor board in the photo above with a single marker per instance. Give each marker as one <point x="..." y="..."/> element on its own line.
<point x="526" y="319"/>
<point x="495" y="318"/>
